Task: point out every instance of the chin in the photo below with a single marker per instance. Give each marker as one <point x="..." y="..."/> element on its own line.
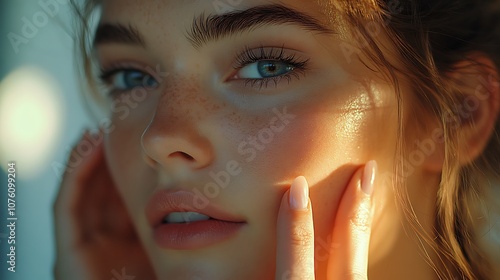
<point x="208" y="270"/>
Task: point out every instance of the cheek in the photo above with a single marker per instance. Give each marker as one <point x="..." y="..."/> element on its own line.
<point x="326" y="144"/>
<point x="313" y="144"/>
<point x="326" y="148"/>
<point x="349" y="125"/>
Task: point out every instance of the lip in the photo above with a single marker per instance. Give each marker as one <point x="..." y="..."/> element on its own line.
<point x="189" y="236"/>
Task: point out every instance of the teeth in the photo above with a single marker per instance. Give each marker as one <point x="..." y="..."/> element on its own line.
<point x="184" y="217"/>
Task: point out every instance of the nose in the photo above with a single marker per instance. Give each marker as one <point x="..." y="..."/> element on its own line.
<point x="174" y="138"/>
<point x="167" y="150"/>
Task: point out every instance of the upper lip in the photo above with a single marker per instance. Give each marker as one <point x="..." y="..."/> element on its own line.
<point x="164" y="202"/>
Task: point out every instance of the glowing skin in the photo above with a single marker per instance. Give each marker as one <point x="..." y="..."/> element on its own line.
<point x="323" y="123"/>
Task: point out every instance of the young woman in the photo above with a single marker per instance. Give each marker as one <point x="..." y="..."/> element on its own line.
<point x="251" y="139"/>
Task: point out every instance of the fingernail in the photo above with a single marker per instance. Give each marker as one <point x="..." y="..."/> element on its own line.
<point x="299" y="194"/>
<point x="369" y="177"/>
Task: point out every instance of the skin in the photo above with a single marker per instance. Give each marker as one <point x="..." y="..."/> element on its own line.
<point x="194" y="122"/>
<point x="194" y="109"/>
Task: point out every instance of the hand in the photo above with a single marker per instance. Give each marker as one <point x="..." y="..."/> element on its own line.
<point x="348" y="258"/>
<point x="95" y="237"/>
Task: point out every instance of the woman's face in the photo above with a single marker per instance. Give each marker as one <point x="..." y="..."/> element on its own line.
<point x="234" y="108"/>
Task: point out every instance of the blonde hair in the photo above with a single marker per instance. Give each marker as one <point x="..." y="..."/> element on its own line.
<point x="430" y="38"/>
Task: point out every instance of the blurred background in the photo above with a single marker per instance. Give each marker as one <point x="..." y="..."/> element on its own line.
<point x="42" y="115"/>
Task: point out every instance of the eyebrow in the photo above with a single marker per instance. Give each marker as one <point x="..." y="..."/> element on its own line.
<point x="214" y="27"/>
<point x="108" y="33"/>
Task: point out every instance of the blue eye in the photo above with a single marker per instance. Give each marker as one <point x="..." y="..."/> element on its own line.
<point x="260" y="66"/>
<point x="265" y="69"/>
<point x="127" y="79"/>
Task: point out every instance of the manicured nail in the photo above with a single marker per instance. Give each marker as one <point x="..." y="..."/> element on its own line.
<point x="369" y="177"/>
<point x="299" y="194"/>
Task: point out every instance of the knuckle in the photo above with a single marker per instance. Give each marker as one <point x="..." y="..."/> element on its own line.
<point x="361" y="219"/>
<point x="301" y="236"/>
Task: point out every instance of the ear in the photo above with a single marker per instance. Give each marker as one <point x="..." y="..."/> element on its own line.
<point x="476" y="80"/>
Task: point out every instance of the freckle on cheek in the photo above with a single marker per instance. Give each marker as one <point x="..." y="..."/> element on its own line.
<point x="234" y="117"/>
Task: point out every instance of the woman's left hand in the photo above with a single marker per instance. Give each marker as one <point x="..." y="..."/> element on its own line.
<point x="95" y="236"/>
<point x="348" y="256"/>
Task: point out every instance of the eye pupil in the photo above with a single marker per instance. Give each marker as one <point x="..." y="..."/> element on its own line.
<point x="272" y="67"/>
<point x="132" y="79"/>
<point x="269" y="68"/>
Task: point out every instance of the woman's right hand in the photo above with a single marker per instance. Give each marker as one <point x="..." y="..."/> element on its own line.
<point x="95" y="237"/>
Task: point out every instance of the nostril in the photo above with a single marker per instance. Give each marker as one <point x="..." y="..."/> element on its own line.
<point x="181" y="155"/>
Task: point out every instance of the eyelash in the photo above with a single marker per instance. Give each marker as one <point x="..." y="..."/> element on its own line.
<point x="249" y="56"/>
<point x="106" y="73"/>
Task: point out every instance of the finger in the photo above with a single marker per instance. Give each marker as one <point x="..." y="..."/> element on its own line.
<point x="84" y="157"/>
<point x="103" y="213"/>
<point x="351" y="233"/>
<point x="109" y="215"/>
<point x="92" y="207"/>
<point x="295" y="234"/>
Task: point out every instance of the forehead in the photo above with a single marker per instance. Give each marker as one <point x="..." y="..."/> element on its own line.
<point x="158" y="22"/>
<point x="178" y="11"/>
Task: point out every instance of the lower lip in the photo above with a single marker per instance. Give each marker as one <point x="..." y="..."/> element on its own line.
<point x="195" y="235"/>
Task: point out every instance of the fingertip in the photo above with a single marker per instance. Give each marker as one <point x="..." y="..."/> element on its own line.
<point x="368" y="179"/>
<point x="295" y="233"/>
<point x="299" y="194"/>
<point x="353" y="223"/>
<point x="85" y="154"/>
